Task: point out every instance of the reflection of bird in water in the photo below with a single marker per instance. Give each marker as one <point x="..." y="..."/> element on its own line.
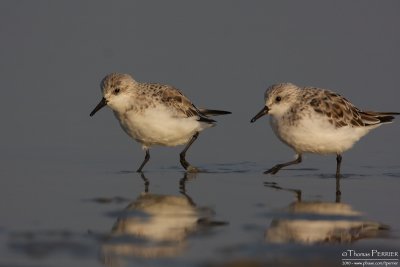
<point x="156" y="225"/>
<point x="321" y="222"/>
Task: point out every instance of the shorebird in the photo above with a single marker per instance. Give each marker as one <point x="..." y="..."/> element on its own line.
<point x="314" y="120"/>
<point x="155" y="114"/>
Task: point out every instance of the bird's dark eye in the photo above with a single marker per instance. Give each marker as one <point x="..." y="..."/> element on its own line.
<point x="116" y="90"/>
<point x="278" y="99"/>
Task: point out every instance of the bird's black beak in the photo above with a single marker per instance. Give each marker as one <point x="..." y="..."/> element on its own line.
<point x="262" y="112"/>
<point x="102" y="103"/>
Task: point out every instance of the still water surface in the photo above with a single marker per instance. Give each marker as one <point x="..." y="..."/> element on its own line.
<point x="233" y="215"/>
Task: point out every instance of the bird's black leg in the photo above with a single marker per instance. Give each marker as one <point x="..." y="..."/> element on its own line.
<point x="277" y="167"/>
<point x="338" y="163"/>
<point x="146" y="159"/>
<point x="182" y="155"/>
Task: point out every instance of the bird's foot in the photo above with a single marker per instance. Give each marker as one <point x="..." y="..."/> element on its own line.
<point x="192" y="169"/>
<point x="273" y="170"/>
<point x="186" y="165"/>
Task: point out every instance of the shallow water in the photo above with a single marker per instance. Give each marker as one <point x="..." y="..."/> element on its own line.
<point x="68" y="193"/>
<point x="230" y="216"/>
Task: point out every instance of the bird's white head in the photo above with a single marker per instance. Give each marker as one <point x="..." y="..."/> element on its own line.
<point x="117" y="89"/>
<point x="279" y="98"/>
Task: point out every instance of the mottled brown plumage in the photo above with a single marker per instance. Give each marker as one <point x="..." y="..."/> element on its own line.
<point x="339" y="111"/>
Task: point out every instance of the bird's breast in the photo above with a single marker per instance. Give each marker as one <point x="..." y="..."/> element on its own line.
<point x="158" y="126"/>
<point x="316" y="135"/>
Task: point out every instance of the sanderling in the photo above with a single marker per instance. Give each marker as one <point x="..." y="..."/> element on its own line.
<point x="154" y="114"/>
<point x="314" y="120"/>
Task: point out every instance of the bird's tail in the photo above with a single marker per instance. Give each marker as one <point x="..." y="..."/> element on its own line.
<point x="372" y="117"/>
<point x="213" y="112"/>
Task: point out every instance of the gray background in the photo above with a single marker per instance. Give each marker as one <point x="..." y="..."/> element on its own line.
<point x="56" y="160"/>
<point x="221" y="54"/>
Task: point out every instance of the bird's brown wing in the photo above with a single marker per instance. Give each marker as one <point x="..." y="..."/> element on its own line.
<point x="339" y="111"/>
<point x="183" y="107"/>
